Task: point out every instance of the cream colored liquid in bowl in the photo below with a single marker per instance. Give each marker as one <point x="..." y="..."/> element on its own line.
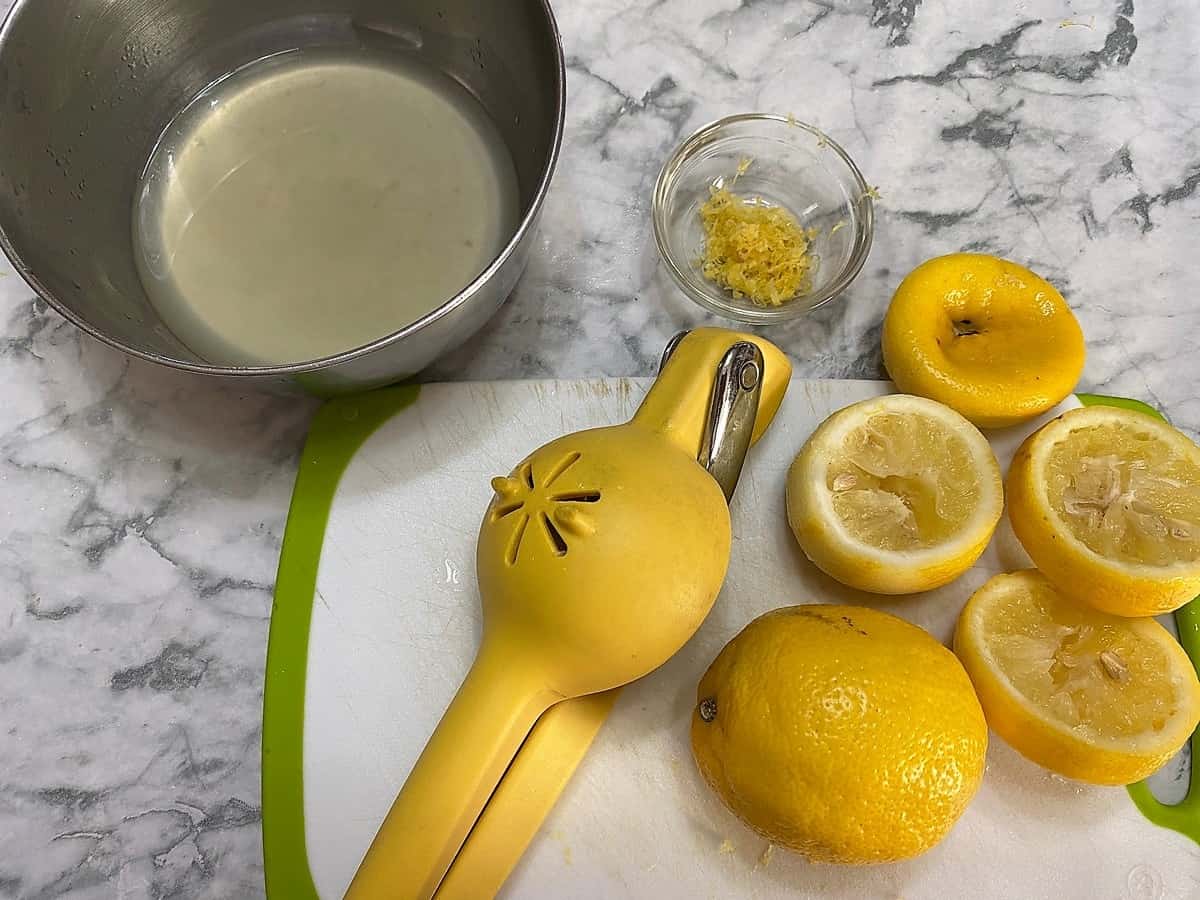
<point x="315" y="201"/>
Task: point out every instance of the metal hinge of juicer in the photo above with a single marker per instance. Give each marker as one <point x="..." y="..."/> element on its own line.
<point x="731" y="412"/>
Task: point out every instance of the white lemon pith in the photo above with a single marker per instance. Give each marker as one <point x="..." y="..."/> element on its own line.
<point x="1106" y="502"/>
<point x="1096" y="697"/>
<point x="894" y="495"/>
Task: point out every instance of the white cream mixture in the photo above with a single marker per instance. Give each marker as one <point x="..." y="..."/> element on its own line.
<point x="312" y="202"/>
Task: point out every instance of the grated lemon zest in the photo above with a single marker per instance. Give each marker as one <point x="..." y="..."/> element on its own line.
<point x="755" y="251"/>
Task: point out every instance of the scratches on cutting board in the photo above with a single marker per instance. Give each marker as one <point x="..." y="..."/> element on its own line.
<point x="623" y="389"/>
<point x="324" y="602"/>
<point x="816" y="395"/>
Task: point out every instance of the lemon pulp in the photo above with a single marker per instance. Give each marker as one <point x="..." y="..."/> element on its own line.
<point x="1090" y="695"/>
<point x="900" y="487"/>
<point x="1107" y="503"/>
<point x="1086" y="669"/>
<point x="1126" y="494"/>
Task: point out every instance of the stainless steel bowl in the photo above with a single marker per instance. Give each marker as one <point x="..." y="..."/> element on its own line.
<point x="87" y="86"/>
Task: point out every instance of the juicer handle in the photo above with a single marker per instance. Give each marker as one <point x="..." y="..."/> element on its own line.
<point x="679" y="403"/>
<point x="525" y="796"/>
<point x="478" y="736"/>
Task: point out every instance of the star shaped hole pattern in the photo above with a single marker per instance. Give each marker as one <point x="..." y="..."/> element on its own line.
<point x="525" y="498"/>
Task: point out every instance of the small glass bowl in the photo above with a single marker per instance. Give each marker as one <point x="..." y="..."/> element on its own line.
<point x="794" y="166"/>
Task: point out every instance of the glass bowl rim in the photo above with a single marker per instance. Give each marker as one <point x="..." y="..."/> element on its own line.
<point x="863" y="237"/>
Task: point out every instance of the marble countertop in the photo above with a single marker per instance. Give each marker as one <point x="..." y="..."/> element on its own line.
<point x="141" y="510"/>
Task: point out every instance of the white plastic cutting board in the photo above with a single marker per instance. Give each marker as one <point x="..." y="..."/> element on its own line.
<point x="395" y="625"/>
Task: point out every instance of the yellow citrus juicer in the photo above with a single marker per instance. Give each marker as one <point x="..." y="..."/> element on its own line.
<point x="598" y="557"/>
<point x="561" y="737"/>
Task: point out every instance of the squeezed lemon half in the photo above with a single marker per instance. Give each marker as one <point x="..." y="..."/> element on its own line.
<point x="984" y="335"/>
<point x="894" y="495"/>
<point x="1106" y="501"/>
<point x="1092" y="696"/>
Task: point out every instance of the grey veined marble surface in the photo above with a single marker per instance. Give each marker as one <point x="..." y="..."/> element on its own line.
<point x="141" y="510"/>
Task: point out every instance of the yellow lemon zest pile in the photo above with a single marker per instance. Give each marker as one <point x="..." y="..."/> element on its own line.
<point x="753" y="250"/>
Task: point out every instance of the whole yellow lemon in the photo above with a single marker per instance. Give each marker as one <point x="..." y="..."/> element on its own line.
<point x="841" y="732"/>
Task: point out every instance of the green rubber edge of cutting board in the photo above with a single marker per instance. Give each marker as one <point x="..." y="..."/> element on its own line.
<point x="1183" y="816"/>
<point x="338" y="429"/>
